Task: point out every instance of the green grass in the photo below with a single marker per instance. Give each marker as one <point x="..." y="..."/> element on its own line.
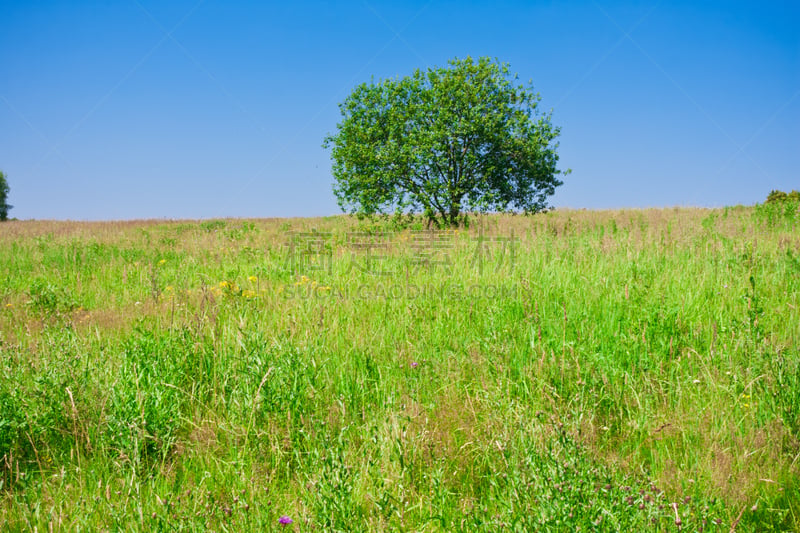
<point x="575" y="370"/>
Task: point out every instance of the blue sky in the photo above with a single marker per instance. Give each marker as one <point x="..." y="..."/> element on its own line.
<point x="148" y="109"/>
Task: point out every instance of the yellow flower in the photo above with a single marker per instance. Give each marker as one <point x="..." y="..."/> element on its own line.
<point x="248" y="294"/>
<point x="224" y="285"/>
<point x="253" y="279"/>
<point x="9" y="305"/>
<point x="162" y="262"/>
<point x="169" y="288"/>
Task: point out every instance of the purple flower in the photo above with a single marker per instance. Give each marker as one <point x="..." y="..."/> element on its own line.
<point x="285" y="520"/>
<point x="414" y="364"/>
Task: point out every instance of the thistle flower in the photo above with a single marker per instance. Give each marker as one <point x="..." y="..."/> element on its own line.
<point x="285" y="520"/>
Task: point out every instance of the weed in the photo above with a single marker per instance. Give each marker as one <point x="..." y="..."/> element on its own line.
<point x="50" y="300"/>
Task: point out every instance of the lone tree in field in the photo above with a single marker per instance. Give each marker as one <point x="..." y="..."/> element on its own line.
<point x="4" y="207"/>
<point x="463" y="137"/>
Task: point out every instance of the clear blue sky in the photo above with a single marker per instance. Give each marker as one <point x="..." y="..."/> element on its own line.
<point x="197" y="109"/>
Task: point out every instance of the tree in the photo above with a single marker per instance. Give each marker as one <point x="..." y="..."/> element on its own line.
<point x="465" y="136"/>
<point x="4" y="207"/>
<point x="776" y="196"/>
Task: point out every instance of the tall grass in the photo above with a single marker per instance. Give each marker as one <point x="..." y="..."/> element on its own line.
<point x="601" y="371"/>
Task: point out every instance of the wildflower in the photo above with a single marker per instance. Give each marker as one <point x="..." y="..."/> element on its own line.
<point x="224" y="285"/>
<point x="162" y="262"/>
<point x="678" y="521"/>
<point x="169" y="288"/>
<point x="285" y="520"/>
<point x="414" y="364"/>
<point x="248" y="293"/>
<point x="9" y="305"/>
<point x="252" y="279"/>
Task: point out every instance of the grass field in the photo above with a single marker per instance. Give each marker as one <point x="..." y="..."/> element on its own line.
<point x="570" y="371"/>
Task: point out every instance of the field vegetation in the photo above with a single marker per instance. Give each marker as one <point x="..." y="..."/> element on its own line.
<point x="627" y="370"/>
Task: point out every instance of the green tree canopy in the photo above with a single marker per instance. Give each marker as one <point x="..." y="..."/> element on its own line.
<point x="4" y="189"/>
<point x="780" y="196"/>
<point x="441" y="141"/>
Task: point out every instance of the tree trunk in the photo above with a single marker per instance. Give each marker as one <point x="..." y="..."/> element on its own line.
<point x="455" y="211"/>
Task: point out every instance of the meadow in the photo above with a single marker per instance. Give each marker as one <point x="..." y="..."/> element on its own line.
<point x="631" y="370"/>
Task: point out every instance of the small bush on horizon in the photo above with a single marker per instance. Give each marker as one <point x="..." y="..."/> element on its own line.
<point x="780" y="196"/>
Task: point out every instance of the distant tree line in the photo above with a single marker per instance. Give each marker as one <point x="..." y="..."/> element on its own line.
<point x="780" y="196"/>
